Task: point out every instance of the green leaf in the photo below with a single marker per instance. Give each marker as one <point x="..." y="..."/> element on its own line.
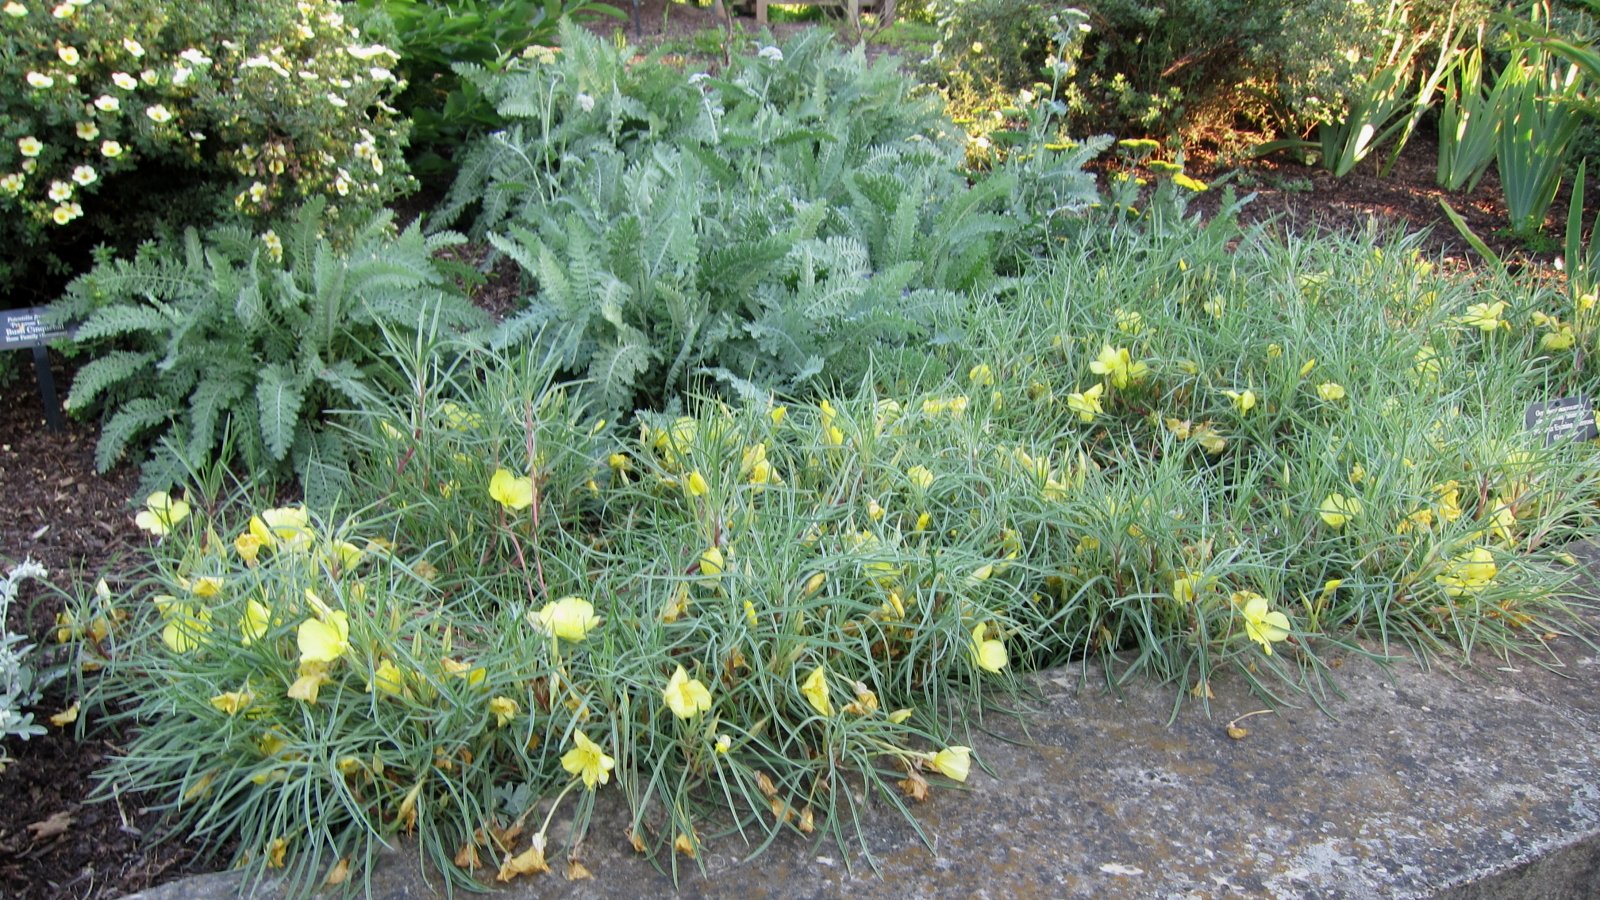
<point x="279" y="395"/>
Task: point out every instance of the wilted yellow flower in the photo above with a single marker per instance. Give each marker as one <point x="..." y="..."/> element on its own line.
<point x="504" y="709"/>
<point x="1337" y="510"/>
<point x="953" y="762"/>
<point x="513" y="492"/>
<point x="570" y="618"/>
<point x="1468" y="573"/>
<point x="815" y="690"/>
<point x="1331" y="391"/>
<point x="1129" y="322"/>
<point x="206" y="586"/>
<point x="386" y="679"/>
<point x="587" y="761"/>
<point x="981" y="375"/>
<point x="1260" y="625"/>
<point x="686" y="697"/>
<point x="988" y="654"/>
<point x="234" y="702"/>
<point x="284" y="526"/>
<point x="161" y="514"/>
<point x="1243" y="401"/>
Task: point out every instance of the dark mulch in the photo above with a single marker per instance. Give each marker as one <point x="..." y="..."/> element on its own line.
<point x="54" y="843"/>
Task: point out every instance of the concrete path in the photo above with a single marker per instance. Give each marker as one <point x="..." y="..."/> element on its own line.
<point x="1453" y="782"/>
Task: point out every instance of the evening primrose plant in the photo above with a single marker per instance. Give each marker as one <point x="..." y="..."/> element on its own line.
<point x="1192" y="453"/>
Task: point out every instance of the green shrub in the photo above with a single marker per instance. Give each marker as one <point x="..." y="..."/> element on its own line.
<point x="778" y="224"/>
<point x="122" y="117"/>
<point x="435" y="38"/>
<point x="244" y="343"/>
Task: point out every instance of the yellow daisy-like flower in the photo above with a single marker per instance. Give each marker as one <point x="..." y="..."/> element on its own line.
<point x="158" y="114"/>
<point x="815" y="689"/>
<point x="30" y="146"/>
<point x="686" y="697"/>
<point x="39" y="80"/>
<point x="110" y="149"/>
<point x="124" y="80"/>
<point x="588" y="761"/>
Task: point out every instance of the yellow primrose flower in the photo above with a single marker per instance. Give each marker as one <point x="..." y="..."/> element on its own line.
<point x="686" y="697"/>
<point x="324" y="640"/>
<point x="512" y="492"/>
<point x="815" y="690"/>
<point x="1447" y="498"/>
<point x="570" y="618"/>
<point x="1309" y="365"/>
<point x="386" y="678"/>
<point x="1129" y="322"/>
<point x="695" y="485"/>
<point x="1243" y="401"/>
<point x="988" y="654"/>
<point x="234" y="702"/>
<point x="953" y="762"/>
<point x="1261" y="626"/>
<point x="1086" y="403"/>
<point x="504" y="709"/>
<point x="312" y="676"/>
<point x="255" y="622"/>
<point x="981" y="375"/>
<point x="186" y="624"/>
<point x="1468" y="573"/>
<point x="1485" y="317"/>
<point x="1331" y="391"/>
<point x="161" y="514"/>
<point x="1118" y="365"/>
<point x="1274" y="351"/>
<point x="588" y="761"/>
<point x="459" y="669"/>
<point x="1337" y="510"/>
<point x="285" y="526"/>
<point x="1215" y="307"/>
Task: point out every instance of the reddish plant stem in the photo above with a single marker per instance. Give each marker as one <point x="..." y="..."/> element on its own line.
<point x="533" y="474"/>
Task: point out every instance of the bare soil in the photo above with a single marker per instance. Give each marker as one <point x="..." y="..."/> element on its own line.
<point x="56" y="843"/>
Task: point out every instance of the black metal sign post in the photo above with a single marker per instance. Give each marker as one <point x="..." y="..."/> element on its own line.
<point x="25" y="329"/>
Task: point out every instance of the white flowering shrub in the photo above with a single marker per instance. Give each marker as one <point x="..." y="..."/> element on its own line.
<point x="110" y="108"/>
<point x="18" y="687"/>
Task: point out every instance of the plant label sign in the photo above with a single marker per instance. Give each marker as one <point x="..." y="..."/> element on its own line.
<point x="25" y="329"/>
<point x="1570" y="418"/>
